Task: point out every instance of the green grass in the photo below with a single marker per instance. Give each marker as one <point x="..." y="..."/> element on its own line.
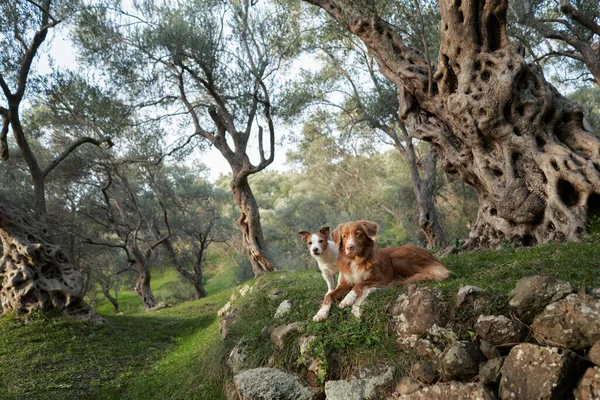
<point x="368" y="340"/>
<point x="157" y="355"/>
<point x="176" y="353"/>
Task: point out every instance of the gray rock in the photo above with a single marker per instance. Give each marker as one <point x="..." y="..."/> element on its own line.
<point x="419" y="317"/>
<point x="489" y="372"/>
<point x="500" y="330"/>
<point x="532" y="294"/>
<point x="271" y="384"/>
<point x="467" y="293"/>
<point x="283" y="308"/>
<point x="489" y="350"/>
<point x="594" y="354"/>
<point x="231" y="317"/>
<point x="573" y="322"/>
<point x="407" y="385"/>
<point x="424" y="371"/>
<point x="237" y="358"/>
<point x="310" y="361"/>
<point x="360" y="389"/>
<point x="418" y="310"/>
<point x="279" y="333"/>
<point x="537" y="372"/>
<point x="589" y="386"/>
<point x="461" y="360"/>
<point x="452" y="391"/>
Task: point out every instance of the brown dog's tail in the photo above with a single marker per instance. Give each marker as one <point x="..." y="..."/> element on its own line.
<point x="434" y="272"/>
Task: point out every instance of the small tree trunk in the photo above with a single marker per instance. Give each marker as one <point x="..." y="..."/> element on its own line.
<point x="249" y="223"/>
<point x="194" y="278"/>
<point x="113" y="301"/>
<point x="35" y="274"/>
<point x="424" y="189"/>
<point x="142" y="285"/>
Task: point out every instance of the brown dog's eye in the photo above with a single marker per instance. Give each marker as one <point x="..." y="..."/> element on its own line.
<point x="358" y="233"/>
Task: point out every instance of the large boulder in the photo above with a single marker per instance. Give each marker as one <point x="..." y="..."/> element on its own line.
<point x="537" y="372"/>
<point x="500" y="330"/>
<point x="573" y="322"/>
<point x="360" y="389"/>
<point x="461" y="360"/>
<point x="271" y="384"/>
<point x="417" y="310"/>
<point x="419" y="317"/>
<point x="451" y="391"/>
<point x="589" y="386"/>
<point x="533" y="293"/>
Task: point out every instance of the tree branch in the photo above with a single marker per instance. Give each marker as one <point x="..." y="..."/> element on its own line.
<point x="576" y="15"/>
<point x="54" y="163"/>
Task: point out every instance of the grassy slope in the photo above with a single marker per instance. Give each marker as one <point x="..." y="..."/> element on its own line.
<point x="368" y="340"/>
<point x="137" y="356"/>
<point x="176" y="353"/>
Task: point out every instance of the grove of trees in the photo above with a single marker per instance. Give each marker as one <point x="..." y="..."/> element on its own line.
<point x="362" y="97"/>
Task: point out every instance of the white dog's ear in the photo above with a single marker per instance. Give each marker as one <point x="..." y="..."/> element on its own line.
<point x="371" y="229"/>
<point x="305" y="235"/>
<point x="336" y="237"/>
<point x="325" y="231"/>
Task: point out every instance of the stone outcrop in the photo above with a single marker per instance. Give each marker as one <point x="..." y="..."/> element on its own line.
<point x="360" y="389"/>
<point x="589" y="386"/>
<point x="451" y="391"/>
<point x="573" y="323"/>
<point x="454" y="353"/>
<point x="536" y="372"/>
<point x="532" y="294"/>
<point x="500" y="330"/>
<point x="271" y="384"/>
<point x="461" y="360"/>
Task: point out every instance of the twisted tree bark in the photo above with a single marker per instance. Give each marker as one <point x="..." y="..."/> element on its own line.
<point x="494" y="121"/>
<point x="35" y="274"/>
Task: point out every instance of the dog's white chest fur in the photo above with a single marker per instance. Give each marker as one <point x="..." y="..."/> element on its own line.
<point x="357" y="274"/>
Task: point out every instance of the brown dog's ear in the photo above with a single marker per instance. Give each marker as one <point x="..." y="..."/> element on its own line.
<point x="305" y="235"/>
<point x="371" y="229"/>
<point x="336" y="237"/>
<point x="325" y="231"/>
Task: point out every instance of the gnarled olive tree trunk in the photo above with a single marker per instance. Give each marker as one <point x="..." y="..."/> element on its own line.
<point x="249" y="223"/>
<point x="35" y="274"/>
<point x="494" y="121"/>
<point x="142" y="285"/>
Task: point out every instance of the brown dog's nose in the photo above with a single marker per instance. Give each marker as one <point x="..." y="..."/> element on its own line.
<point x="350" y="246"/>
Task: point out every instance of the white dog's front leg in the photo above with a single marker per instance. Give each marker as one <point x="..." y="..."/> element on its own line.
<point x="323" y="313"/>
<point x="349" y="299"/>
<point x="328" y="276"/>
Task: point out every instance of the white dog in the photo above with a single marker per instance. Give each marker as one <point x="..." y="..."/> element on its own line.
<point x="325" y="252"/>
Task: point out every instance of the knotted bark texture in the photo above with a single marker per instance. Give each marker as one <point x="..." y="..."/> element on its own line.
<point x="529" y="157"/>
<point x="35" y="274"/>
<point x="494" y="121"/>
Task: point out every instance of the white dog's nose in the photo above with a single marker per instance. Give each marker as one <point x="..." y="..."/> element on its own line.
<point x="316" y="250"/>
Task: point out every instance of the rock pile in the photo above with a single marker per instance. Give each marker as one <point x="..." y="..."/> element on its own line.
<point x="545" y="346"/>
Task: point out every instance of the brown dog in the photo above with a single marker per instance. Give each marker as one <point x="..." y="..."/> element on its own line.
<point x="364" y="267"/>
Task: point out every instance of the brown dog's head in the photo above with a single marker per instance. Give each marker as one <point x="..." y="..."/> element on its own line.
<point x="316" y="242"/>
<point x="354" y="238"/>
